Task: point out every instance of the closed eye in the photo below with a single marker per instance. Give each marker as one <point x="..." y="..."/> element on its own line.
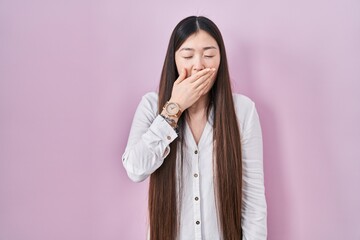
<point x="209" y="56"/>
<point x="188" y="57"/>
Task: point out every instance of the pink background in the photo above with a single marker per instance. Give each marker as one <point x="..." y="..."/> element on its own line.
<point x="73" y="72"/>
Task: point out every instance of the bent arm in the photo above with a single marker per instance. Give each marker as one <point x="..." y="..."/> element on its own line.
<point x="148" y="143"/>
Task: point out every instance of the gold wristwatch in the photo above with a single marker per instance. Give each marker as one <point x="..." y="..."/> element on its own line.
<point x="172" y="109"/>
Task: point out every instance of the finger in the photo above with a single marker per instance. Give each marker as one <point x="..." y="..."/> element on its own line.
<point x="181" y="77"/>
<point x="203" y="79"/>
<point x="204" y="88"/>
<point x="199" y="74"/>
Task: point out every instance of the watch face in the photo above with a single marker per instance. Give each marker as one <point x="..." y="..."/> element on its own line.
<point x="172" y="108"/>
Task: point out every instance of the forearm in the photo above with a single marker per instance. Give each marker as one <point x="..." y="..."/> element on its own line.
<point x="145" y="153"/>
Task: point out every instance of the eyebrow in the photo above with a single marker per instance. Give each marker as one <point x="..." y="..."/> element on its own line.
<point x="191" y="49"/>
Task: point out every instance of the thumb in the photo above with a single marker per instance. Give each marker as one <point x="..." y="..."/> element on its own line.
<point x="182" y="76"/>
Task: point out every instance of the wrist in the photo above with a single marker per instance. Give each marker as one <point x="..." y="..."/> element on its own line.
<point x="164" y="113"/>
<point x="172" y="121"/>
<point x="172" y="109"/>
<point x="183" y="105"/>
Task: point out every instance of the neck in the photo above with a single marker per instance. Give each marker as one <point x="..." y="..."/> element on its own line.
<point x="199" y="107"/>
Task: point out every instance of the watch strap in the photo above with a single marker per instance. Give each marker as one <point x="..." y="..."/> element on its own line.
<point x="170" y="121"/>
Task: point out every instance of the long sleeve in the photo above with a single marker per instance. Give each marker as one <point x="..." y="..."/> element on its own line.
<point x="254" y="209"/>
<point x="149" y="139"/>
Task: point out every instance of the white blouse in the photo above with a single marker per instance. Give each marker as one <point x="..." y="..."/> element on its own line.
<point x="148" y="145"/>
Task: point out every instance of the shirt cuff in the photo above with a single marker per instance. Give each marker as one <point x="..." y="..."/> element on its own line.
<point x="161" y="128"/>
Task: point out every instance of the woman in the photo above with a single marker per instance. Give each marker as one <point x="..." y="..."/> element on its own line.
<point x="200" y="144"/>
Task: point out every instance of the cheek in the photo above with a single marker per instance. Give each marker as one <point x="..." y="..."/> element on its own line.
<point x="216" y="63"/>
<point x="181" y="65"/>
<point x="188" y="69"/>
<point x="212" y="63"/>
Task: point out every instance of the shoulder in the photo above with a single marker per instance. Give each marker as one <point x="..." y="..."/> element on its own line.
<point x="149" y="101"/>
<point x="244" y="108"/>
<point x="243" y="103"/>
<point x="151" y="97"/>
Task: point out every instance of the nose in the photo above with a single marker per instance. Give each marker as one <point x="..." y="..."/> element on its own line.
<point x="198" y="64"/>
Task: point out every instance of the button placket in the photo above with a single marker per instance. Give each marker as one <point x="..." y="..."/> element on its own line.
<point x="196" y="194"/>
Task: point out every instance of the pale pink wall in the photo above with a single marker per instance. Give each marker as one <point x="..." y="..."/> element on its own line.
<point x="73" y="72"/>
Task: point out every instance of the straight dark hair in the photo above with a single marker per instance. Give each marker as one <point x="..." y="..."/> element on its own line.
<point x="227" y="164"/>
